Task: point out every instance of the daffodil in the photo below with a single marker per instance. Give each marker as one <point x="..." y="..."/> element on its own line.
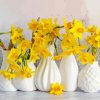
<point x="14" y="66"/>
<point x="68" y="41"/>
<point x="94" y="40"/>
<point x="13" y="55"/>
<point x="44" y="52"/>
<point x="7" y="74"/>
<point x="41" y="38"/>
<point x="34" y="25"/>
<point x="34" y="55"/>
<point x="77" y="50"/>
<point x="25" y="72"/>
<point x="68" y="25"/>
<point x="23" y="46"/>
<point x="56" y="89"/>
<point x="57" y="57"/>
<point x="47" y="24"/>
<point x="78" y="29"/>
<point x="86" y="58"/>
<point x="92" y="29"/>
<point x="16" y="34"/>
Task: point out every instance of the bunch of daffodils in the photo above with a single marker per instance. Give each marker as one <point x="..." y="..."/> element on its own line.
<point x="18" y="59"/>
<point x="70" y="43"/>
<point x="45" y="33"/>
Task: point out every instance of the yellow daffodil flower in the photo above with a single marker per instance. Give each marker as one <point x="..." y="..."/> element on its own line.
<point x="13" y="55"/>
<point x="86" y="58"/>
<point x="92" y="29"/>
<point x="56" y="89"/>
<point x="33" y="25"/>
<point x="14" y="66"/>
<point x="44" y="52"/>
<point x="16" y="34"/>
<point x="68" y="41"/>
<point x="34" y="55"/>
<point x="68" y="25"/>
<point x="25" y="72"/>
<point x="7" y="74"/>
<point x="78" y="29"/>
<point x="57" y="57"/>
<point x="94" y="40"/>
<point x="23" y="46"/>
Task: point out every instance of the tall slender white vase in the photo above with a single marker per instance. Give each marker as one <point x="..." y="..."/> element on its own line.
<point x="47" y="73"/>
<point x="5" y="84"/>
<point x="69" y="73"/>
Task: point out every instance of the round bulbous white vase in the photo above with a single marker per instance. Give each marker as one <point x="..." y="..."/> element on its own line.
<point x="47" y="73"/>
<point x="5" y="84"/>
<point x="89" y="78"/>
<point x="26" y="84"/>
<point x="69" y="73"/>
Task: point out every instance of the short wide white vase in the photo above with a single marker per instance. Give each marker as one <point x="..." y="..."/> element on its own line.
<point x="89" y="78"/>
<point x="5" y="84"/>
<point x="47" y="73"/>
<point x="69" y="73"/>
<point x="26" y="84"/>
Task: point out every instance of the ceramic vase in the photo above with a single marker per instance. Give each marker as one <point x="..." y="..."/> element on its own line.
<point x="89" y="78"/>
<point x="26" y="84"/>
<point x="69" y="73"/>
<point x="47" y="73"/>
<point x="5" y="84"/>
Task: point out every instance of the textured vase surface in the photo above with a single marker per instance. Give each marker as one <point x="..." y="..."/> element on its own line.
<point x="89" y="78"/>
<point x="47" y="73"/>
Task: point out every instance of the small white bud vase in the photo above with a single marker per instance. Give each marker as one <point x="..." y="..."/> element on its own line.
<point x="26" y="84"/>
<point x="69" y="73"/>
<point x="5" y="84"/>
<point x="47" y="73"/>
<point x="89" y="78"/>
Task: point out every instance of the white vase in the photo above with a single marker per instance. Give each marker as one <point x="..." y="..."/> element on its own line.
<point x="5" y="84"/>
<point x="47" y="73"/>
<point x="69" y="73"/>
<point x="5" y="64"/>
<point x="89" y="78"/>
<point x="28" y="83"/>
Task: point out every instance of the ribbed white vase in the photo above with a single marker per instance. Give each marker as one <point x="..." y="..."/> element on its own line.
<point x="5" y="84"/>
<point x="69" y="73"/>
<point x="26" y="84"/>
<point x="47" y="73"/>
<point x="89" y="78"/>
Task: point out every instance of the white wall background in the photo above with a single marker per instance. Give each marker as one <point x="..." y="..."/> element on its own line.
<point x="20" y="12"/>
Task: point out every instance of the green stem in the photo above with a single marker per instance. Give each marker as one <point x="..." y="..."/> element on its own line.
<point x="58" y="27"/>
<point x="88" y="49"/>
<point x="5" y="32"/>
<point x="79" y="41"/>
<point x="55" y="47"/>
<point x="59" y="38"/>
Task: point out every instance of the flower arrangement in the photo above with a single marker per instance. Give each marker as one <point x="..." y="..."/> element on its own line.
<point x="46" y="32"/>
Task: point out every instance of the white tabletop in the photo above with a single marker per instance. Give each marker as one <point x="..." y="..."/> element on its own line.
<point x="36" y="95"/>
